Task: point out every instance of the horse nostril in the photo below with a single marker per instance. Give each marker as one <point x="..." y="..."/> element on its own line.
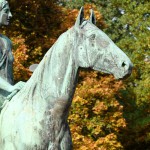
<point x="123" y="64"/>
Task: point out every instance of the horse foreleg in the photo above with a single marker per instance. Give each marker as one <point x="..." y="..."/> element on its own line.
<point x="63" y="140"/>
<point x="66" y="142"/>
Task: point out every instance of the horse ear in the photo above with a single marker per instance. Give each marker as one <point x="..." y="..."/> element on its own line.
<point x="80" y="17"/>
<point x="92" y="17"/>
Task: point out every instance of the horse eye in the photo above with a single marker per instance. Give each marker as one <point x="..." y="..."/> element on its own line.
<point x="92" y="37"/>
<point x="6" y="10"/>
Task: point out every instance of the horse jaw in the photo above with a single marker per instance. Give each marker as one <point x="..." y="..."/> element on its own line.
<point x="121" y="70"/>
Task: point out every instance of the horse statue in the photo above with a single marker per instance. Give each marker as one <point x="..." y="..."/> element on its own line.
<point x="36" y="117"/>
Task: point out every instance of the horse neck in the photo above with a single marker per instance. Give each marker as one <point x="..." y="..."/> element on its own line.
<point x="58" y="71"/>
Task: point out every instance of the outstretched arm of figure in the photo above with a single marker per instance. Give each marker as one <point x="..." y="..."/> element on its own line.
<point x="10" y="88"/>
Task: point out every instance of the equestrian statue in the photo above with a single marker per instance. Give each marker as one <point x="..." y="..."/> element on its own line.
<point x="36" y="117"/>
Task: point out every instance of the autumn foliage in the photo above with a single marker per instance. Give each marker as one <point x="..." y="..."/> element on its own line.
<point x="21" y="56"/>
<point x="105" y="114"/>
<point x="96" y="116"/>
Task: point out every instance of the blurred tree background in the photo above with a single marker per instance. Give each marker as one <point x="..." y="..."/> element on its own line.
<point x="106" y="114"/>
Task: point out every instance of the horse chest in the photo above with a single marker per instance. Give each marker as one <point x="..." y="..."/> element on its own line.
<point x="55" y="117"/>
<point x="46" y="125"/>
<point x="52" y="126"/>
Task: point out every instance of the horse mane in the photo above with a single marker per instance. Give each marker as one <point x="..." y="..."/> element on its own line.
<point x="35" y="85"/>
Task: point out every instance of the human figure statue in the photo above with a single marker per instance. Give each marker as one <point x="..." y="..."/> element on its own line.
<point x="6" y="57"/>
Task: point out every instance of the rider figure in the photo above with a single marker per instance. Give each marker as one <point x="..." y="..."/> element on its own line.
<point x="6" y="57"/>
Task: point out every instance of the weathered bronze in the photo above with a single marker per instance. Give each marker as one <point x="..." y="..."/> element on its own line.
<point x="6" y="58"/>
<point x="36" y="117"/>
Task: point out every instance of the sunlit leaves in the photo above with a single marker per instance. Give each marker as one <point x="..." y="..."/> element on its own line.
<point x="96" y="112"/>
<point x="20" y="54"/>
<point x="106" y="114"/>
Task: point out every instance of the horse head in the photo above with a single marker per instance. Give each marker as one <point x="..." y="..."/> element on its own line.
<point x="96" y="50"/>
